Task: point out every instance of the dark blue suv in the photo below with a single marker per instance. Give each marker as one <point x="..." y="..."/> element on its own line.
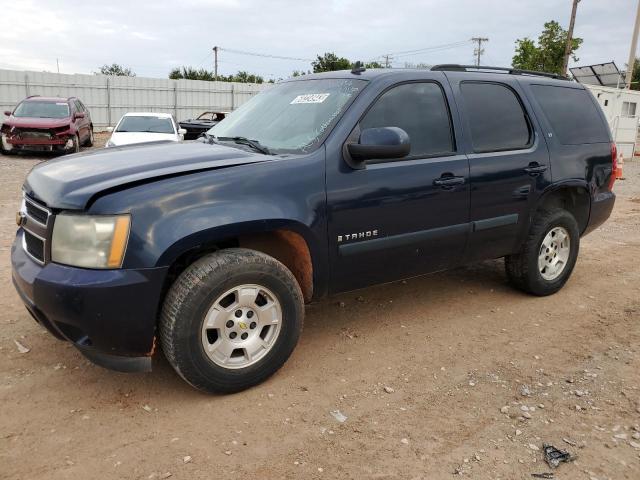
<point x="321" y="184"/>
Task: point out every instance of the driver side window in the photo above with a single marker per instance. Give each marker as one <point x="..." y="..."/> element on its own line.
<point x="420" y="109"/>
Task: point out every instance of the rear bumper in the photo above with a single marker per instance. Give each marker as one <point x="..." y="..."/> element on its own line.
<point x="601" y="208"/>
<point x="109" y="315"/>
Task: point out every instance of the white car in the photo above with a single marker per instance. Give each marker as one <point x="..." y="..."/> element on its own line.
<point x="143" y="127"/>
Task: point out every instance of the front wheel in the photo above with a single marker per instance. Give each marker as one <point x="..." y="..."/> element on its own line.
<point x="231" y="320"/>
<point x="546" y="260"/>
<point x="73" y="144"/>
<point x="5" y="147"/>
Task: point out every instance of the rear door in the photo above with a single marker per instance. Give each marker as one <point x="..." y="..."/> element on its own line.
<point x="82" y="123"/>
<point x="508" y="160"/>
<point x="402" y="217"/>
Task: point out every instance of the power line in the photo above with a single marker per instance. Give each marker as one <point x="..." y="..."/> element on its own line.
<point x="265" y="55"/>
<point x="427" y="49"/>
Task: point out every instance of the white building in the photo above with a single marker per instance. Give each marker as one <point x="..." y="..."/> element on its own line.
<point x="622" y="110"/>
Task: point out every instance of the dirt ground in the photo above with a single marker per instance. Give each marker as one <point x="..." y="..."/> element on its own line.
<point x="448" y="375"/>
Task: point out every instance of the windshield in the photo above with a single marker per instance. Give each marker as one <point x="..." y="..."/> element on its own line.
<point x="291" y="117"/>
<point x="42" y="109"/>
<point x="140" y="123"/>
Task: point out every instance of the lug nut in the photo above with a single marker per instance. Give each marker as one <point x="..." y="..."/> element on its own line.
<point x="233" y="335"/>
<point x="253" y="325"/>
<point x="244" y="336"/>
<point x="238" y="313"/>
<point x="249" y="314"/>
<point x="229" y="323"/>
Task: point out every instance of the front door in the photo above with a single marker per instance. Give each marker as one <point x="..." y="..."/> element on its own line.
<point x="399" y="218"/>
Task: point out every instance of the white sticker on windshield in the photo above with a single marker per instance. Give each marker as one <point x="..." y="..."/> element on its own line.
<point x="60" y="103"/>
<point x="310" y="98"/>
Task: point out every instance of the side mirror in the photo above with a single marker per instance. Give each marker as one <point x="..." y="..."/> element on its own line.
<point x="182" y="131"/>
<point x="78" y="115"/>
<point x="380" y="143"/>
<point x="7" y="113"/>
<point x="109" y="129"/>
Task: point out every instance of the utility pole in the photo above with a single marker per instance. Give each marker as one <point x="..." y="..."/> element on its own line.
<point x="567" y="48"/>
<point x="479" y="51"/>
<point x="58" y="65"/>
<point x="215" y="63"/>
<point x="386" y="60"/>
<point x="632" y="51"/>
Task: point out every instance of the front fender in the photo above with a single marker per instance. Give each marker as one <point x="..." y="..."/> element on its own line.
<point x="174" y="215"/>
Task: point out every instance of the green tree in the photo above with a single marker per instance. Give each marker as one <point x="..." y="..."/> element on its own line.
<point x="548" y="54"/>
<point x="115" y="69"/>
<point x="190" y="73"/>
<point x="330" y="62"/>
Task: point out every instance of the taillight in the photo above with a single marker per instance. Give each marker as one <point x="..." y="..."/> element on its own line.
<point x="614" y="165"/>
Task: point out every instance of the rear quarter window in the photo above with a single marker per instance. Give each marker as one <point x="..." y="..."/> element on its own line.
<point x="572" y="113"/>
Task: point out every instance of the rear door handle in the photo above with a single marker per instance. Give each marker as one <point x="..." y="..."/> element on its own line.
<point x="448" y="181"/>
<point x="535" y="169"/>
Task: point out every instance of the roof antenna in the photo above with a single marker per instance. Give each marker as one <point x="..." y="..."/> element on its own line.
<point x="358" y="68"/>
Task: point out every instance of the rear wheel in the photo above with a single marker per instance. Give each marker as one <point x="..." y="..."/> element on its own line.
<point x="546" y="260"/>
<point x="231" y="320"/>
<point x="89" y="142"/>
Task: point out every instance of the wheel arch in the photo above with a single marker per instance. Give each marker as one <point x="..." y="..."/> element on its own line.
<point x="572" y="196"/>
<point x="287" y="241"/>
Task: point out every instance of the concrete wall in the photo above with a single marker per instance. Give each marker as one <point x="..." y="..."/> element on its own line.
<point x="108" y="98"/>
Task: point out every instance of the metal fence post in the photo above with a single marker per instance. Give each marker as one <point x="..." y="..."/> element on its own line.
<point x="108" y="102"/>
<point x="175" y="100"/>
<point x="26" y="84"/>
<point x="233" y="97"/>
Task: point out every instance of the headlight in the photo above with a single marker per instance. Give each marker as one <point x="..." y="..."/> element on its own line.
<point x="90" y="241"/>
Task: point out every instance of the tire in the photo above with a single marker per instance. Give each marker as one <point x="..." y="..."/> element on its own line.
<point x="200" y="297"/>
<point x="530" y="273"/>
<point x="75" y="148"/>
<point x="89" y="142"/>
<point x="3" y="150"/>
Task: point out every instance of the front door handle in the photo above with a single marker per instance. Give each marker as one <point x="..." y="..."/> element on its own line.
<point x="448" y="181"/>
<point x="535" y="168"/>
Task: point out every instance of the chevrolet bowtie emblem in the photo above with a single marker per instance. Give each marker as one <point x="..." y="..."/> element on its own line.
<point x="20" y="218"/>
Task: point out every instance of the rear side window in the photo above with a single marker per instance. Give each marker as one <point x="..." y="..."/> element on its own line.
<point x="573" y="115"/>
<point x="420" y="109"/>
<point x="496" y="117"/>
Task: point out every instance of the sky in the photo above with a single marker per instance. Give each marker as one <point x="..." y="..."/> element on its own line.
<point x="152" y="37"/>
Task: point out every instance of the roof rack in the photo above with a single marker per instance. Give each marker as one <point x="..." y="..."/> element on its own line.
<point x="452" y="67"/>
<point x="33" y="96"/>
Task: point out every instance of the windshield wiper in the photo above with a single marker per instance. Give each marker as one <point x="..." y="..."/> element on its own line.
<point x="255" y="144"/>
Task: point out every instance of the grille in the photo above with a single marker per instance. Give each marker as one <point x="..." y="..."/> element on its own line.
<point x="36" y="231"/>
<point x="35" y="134"/>
<point x="34" y="246"/>
<point x="36" y="212"/>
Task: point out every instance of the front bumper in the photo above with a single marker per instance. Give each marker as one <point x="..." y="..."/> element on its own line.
<point x="55" y="144"/>
<point x="109" y="315"/>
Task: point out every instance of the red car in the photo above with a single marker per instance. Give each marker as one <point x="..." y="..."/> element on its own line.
<point x="46" y="124"/>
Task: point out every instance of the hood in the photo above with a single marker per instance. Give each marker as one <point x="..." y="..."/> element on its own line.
<point x="70" y="182"/>
<point x="34" y="122"/>
<point x="129" y="138"/>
